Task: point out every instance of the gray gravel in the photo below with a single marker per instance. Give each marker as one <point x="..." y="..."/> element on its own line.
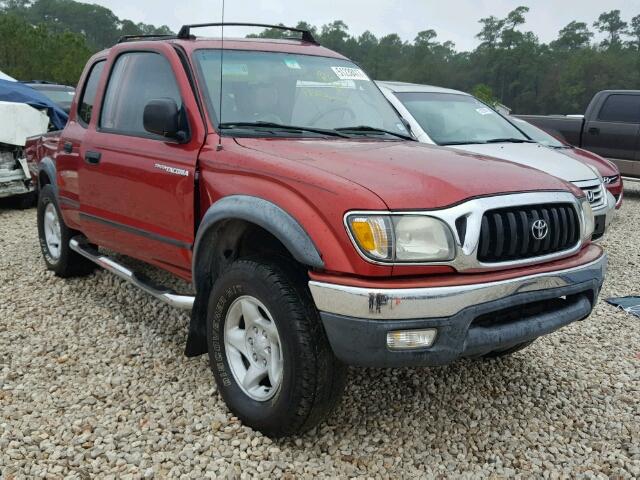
<point x="93" y="383"/>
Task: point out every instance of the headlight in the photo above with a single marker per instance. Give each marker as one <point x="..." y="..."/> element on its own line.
<point x="373" y="235"/>
<point x="402" y="238"/>
<point x="589" y="223"/>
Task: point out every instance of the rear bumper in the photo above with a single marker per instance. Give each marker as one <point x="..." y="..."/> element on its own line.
<point x="470" y="319"/>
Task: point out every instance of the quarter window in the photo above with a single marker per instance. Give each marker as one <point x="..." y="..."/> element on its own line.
<point x="621" y="108"/>
<point x="85" y="106"/>
<point x="136" y="79"/>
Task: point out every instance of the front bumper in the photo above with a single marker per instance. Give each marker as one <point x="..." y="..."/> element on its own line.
<point x="16" y="181"/>
<point x="604" y="216"/>
<point x="471" y="320"/>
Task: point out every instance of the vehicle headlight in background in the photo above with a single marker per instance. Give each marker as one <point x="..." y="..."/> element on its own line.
<point x="402" y="238"/>
<point x="589" y="223"/>
<point x="611" y="179"/>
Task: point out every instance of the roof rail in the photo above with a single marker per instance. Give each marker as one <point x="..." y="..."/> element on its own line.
<point x="307" y="36"/>
<point x="135" y="38"/>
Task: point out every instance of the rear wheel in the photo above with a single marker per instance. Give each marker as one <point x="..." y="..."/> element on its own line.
<point x="268" y="350"/>
<point x="54" y="238"/>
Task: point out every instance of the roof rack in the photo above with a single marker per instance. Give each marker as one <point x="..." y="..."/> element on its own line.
<point x="307" y="36"/>
<point x="134" y="38"/>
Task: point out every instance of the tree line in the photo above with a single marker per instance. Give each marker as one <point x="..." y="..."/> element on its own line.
<point x="52" y="39"/>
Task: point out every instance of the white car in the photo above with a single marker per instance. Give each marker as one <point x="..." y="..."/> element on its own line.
<point x="18" y="121"/>
<point x="450" y="118"/>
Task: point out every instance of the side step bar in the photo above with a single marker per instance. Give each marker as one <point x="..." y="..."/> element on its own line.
<point x="165" y="294"/>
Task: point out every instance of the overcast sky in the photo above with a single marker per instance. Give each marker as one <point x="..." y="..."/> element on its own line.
<point x="455" y="20"/>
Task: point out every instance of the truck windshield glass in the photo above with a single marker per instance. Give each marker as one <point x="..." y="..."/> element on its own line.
<point x="261" y="90"/>
<point x="451" y="119"/>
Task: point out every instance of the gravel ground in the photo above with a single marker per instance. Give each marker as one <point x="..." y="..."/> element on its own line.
<point x="93" y="383"/>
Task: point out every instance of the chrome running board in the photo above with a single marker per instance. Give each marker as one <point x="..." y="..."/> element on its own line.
<point x="185" y="302"/>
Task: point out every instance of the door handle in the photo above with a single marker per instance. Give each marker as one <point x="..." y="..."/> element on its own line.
<point x="92" y="157"/>
<point x="68" y="147"/>
<point x="594" y="131"/>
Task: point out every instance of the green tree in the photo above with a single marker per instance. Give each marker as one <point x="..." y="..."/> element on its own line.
<point x="611" y="24"/>
<point x="484" y="92"/>
<point x="572" y="37"/>
<point x="634" y="31"/>
<point x="36" y="52"/>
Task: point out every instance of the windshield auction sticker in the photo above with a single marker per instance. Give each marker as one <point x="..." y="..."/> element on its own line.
<point x="484" y="111"/>
<point x="292" y="63"/>
<point x="347" y="73"/>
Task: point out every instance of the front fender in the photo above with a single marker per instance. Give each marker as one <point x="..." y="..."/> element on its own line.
<point x="257" y="211"/>
<point x="264" y="214"/>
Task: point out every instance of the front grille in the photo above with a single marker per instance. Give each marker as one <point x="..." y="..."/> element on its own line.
<point x="508" y="234"/>
<point x="595" y="195"/>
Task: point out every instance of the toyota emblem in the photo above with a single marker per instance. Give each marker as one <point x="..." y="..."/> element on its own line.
<point x="540" y="229"/>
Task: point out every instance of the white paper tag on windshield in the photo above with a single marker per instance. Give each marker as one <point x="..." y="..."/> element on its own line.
<point x="292" y="63"/>
<point x="484" y="111"/>
<point x="348" y="73"/>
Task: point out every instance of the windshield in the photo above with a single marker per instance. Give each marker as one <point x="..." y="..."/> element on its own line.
<point x="451" y="119"/>
<point x="538" y="134"/>
<point x="282" y="89"/>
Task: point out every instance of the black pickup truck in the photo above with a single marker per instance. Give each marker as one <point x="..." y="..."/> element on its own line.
<point x="610" y="127"/>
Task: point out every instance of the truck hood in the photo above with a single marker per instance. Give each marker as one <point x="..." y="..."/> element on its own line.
<point x="408" y="175"/>
<point x="536" y="156"/>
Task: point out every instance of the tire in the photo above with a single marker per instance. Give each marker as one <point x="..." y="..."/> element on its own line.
<point x="312" y="379"/>
<point x="508" y="351"/>
<point x="25" y="201"/>
<point x="63" y="261"/>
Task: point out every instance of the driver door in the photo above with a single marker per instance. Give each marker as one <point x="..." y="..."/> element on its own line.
<point x="137" y="188"/>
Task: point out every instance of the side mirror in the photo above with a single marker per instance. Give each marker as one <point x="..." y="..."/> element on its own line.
<point x="162" y="117"/>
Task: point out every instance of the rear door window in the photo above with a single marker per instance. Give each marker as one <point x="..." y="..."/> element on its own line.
<point x="86" y="103"/>
<point x="621" y="109"/>
<point x="136" y="79"/>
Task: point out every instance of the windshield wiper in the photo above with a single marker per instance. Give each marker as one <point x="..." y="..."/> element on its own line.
<point x="279" y="126"/>
<point x="367" y="129"/>
<point x="509" y="140"/>
<point x="462" y="142"/>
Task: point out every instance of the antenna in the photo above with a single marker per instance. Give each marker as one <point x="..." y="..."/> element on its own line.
<point x="221" y="69"/>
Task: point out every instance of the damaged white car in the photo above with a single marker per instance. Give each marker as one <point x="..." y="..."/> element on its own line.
<point x="18" y="121"/>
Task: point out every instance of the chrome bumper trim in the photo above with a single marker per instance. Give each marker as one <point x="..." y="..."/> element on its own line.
<point x="439" y="302"/>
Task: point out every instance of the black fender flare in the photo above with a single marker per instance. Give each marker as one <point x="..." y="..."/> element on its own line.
<point x="265" y="214"/>
<point x="254" y="210"/>
<point x="48" y="166"/>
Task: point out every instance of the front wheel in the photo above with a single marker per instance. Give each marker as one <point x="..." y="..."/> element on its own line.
<point x="268" y="350"/>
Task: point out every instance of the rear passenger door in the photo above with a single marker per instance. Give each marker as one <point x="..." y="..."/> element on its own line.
<point x="72" y="137"/>
<point x="137" y="188"/>
<point x="613" y="132"/>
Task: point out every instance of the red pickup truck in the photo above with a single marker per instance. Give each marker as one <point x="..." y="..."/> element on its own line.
<point x="274" y="176"/>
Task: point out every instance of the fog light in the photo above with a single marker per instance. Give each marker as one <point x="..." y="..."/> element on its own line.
<point x="409" y="339"/>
